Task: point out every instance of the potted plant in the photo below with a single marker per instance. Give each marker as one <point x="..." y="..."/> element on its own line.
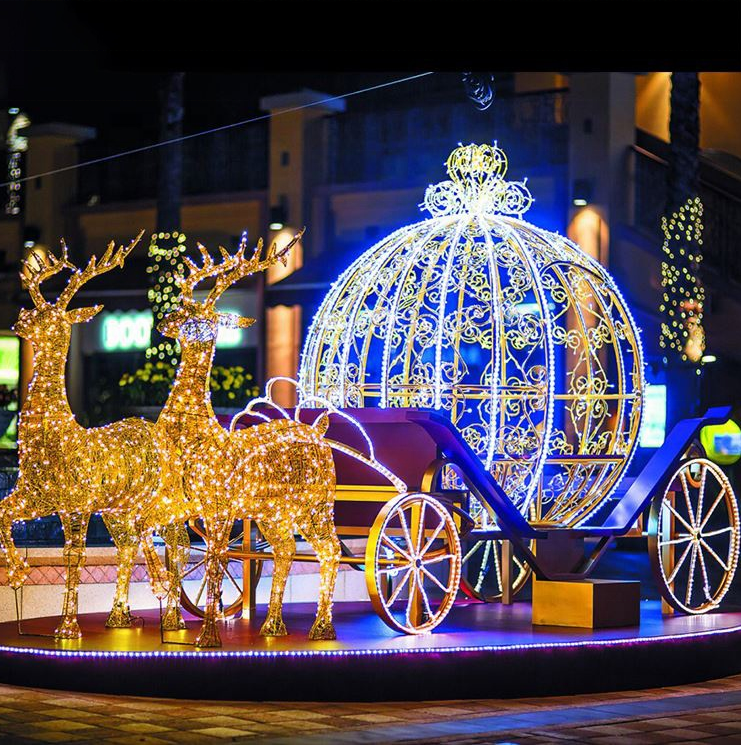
<point x="231" y="389"/>
<point x="144" y="392"/>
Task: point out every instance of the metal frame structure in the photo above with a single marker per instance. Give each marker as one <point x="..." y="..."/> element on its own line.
<point x="410" y="532"/>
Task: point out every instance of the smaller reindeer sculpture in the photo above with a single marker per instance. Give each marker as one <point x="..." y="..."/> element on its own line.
<point x="119" y="470"/>
<point x="280" y="474"/>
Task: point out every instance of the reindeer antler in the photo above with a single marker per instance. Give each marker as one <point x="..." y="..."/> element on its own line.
<point x="231" y="269"/>
<point x="198" y="274"/>
<point x="111" y="258"/>
<point x="40" y="269"/>
<point x="244" y="267"/>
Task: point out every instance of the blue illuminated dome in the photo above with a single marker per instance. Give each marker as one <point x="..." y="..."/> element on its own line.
<point x="519" y="336"/>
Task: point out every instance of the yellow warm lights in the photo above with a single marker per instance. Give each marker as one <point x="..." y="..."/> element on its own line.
<point x="280" y="474"/>
<point x="683" y="296"/>
<point x="166" y="256"/>
<point x="66" y="469"/>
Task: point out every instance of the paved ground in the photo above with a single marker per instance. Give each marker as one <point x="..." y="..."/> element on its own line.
<point x="704" y="712"/>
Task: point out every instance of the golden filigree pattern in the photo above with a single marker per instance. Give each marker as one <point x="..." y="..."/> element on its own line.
<point x="511" y="329"/>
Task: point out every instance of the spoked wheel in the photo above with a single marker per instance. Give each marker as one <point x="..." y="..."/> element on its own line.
<point x="694" y="537"/>
<point x="413" y="563"/>
<point x="483" y="568"/>
<point x="193" y="589"/>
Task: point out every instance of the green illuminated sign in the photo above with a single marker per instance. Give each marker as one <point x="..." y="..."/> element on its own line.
<point x="122" y="331"/>
<point x="722" y="442"/>
<point x="9" y="360"/>
<point x="653" y="430"/>
<point x="126" y="331"/>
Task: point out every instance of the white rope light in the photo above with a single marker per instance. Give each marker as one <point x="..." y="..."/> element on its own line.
<point x="522" y="339"/>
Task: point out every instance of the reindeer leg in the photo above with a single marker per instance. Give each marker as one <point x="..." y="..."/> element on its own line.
<point x="14" y="507"/>
<point x="178" y="551"/>
<point x="126" y="537"/>
<point x="159" y="579"/>
<point x="216" y="561"/>
<point x="284" y="547"/>
<point x="75" y="531"/>
<point x="320" y="532"/>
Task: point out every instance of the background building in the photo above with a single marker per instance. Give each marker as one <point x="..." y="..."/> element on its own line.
<point x="593" y="146"/>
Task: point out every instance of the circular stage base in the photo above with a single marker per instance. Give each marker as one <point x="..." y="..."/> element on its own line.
<point x="481" y="651"/>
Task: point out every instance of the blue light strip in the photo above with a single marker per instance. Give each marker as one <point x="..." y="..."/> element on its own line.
<point x="245" y="653"/>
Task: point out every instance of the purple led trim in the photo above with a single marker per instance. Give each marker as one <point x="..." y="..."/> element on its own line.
<point x="206" y="654"/>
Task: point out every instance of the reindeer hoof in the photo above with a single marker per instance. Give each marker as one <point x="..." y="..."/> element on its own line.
<point x="119" y="617"/>
<point x="172" y="619"/>
<point x="209" y="636"/>
<point x="274" y="627"/>
<point x="68" y="629"/>
<point x="322" y="631"/>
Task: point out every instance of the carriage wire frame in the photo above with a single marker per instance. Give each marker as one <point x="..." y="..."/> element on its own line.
<point x="416" y="541"/>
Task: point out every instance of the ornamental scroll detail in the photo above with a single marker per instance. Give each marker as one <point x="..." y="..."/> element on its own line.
<point x="512" y="331"/>
<point x="477" y="185"/>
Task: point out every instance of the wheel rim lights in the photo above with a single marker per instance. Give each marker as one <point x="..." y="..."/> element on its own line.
<point x="414" y="561"/>
<point x="695" y="551"/>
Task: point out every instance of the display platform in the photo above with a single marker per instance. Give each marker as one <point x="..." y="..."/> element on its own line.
<point x="480" y="651"/>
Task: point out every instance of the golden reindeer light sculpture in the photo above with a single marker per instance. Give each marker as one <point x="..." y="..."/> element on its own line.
<point x="72" y="471"/>
<point x="280" y="474"/>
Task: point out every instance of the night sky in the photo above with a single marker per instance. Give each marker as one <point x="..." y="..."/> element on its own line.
<point x="101" y="63"/>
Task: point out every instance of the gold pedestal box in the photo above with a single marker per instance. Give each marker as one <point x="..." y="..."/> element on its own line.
<point x="592" y="604"/>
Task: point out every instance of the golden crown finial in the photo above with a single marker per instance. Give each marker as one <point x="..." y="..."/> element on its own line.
<point x="477" y="185"/>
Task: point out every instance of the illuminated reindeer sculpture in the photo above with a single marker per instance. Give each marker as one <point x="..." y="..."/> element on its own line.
<point x="280" y="474"/>
<point x="116" y="470"/>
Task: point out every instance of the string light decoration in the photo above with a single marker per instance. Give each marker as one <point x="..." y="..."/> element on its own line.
<point x="684" y="295"/>
<point x="16" y="146"/>
<point x="479" y="88"/>
<point x="68" y="470"/>
<point x="519" y="336"/>
<point x="280" y="474"/>
<point x="166" y="263"/>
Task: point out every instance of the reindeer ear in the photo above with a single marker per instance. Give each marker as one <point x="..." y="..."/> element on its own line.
<point x="83" y="315"/>
<point x="245" y="323"/>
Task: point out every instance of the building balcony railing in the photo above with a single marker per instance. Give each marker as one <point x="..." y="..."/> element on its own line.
<point x="721" y="213"/>
<point x="408" y="145"/>
<point x="227" y="161"/>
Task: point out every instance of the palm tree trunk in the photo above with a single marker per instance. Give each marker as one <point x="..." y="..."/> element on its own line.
<point x="170" y="173"/>
<point x="165" y="245"/>
<point x="684" y="136"/>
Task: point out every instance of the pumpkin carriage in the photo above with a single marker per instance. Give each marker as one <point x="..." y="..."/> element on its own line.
<point x="498" y="373"/>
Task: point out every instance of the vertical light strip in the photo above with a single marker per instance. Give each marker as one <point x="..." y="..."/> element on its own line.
<point x="513" y="224"/>
<point x="497" y="322"/>
<point x="371" y="271"/>
<point x="436" y="227"/>
<point x="463" y="220"/>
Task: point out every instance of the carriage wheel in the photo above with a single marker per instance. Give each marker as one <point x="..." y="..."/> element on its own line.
<point x="413" y="563"/>
<point x="193" y="594"/>
<point x="481" y="573"/>
<point x="694" y="537"/>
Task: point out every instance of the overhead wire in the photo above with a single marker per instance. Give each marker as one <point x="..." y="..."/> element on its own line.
<point x="221" y="128"/>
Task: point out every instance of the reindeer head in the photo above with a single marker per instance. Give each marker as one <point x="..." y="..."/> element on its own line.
<point x="51" y="322"/>
<point x="199" y="321"/>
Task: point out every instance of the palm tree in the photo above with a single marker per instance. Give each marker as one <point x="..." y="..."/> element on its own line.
<point x="169" y="196"/>
<point x="682" y="329"/>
